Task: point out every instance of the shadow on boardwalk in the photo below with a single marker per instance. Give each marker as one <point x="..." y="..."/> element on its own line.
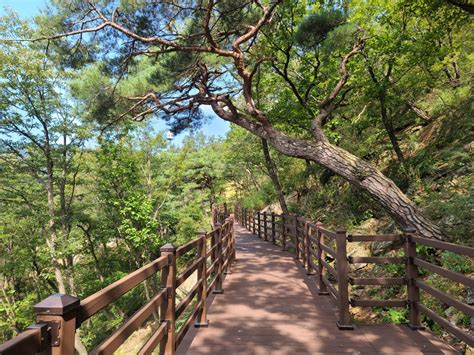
<point x="270" y="306"/>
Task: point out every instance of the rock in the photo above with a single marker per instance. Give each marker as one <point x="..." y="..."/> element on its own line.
<point x="452" y="315"/>
<point x="367" y="227"/>
<point x="470" y="296"/>
<point x="390" y="228"/>
<point x="357" y="292"/>
<point x="381" y="248"/>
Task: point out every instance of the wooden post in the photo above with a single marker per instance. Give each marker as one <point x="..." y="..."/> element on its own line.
<point x="322" y="289"/>
<point x="253" y="222"/>
<point x="265" y="227"/>
<point x="228" y="245"/>
<point x="296" y="240"/>
<point x="59" y="312"/>
<point x="273" y="228"/>
<point x="233" y="241"/>
<point x="201" y="319"/>
<point x="247" y="222"/>
<point x="412" y="275"/>
<point x="259" y="232"/>
<point x="283" y="232"/>
<point x="308" y="248"/>
<point x="168" y="307"/>
<point x="342" y="269"/>
<point x="218" y="288"/>
<point x="302" y="237"/>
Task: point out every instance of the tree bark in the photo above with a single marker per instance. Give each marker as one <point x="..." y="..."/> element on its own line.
<point x="364" y="176"/>
<point x="272" y="172"/>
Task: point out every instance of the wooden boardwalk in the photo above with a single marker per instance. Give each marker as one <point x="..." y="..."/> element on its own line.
<point x="270" y="306"/>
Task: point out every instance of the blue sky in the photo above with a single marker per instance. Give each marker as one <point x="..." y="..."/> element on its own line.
<point x="30" y="8"/>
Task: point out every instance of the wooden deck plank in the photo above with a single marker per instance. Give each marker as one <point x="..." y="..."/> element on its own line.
<point x="270" y="306"/>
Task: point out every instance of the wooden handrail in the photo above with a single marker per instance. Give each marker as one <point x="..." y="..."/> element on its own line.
<point x="101" y="299"/>
<point x="27" y="342"/>
<point x="297" y="233"/>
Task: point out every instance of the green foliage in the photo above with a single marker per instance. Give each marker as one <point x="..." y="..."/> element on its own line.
<point x="396" y="316"/>
<point x="457" y="263"/>
<point x="315" y="27"/>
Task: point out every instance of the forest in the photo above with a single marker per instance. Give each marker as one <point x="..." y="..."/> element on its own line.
<point x="356" y="113"/>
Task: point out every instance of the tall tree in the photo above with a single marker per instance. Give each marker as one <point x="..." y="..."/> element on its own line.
<point x="39" y="136"/>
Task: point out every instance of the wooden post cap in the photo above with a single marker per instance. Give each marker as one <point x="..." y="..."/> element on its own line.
<point x="57" y="304"/>
<point x="168" y="247"/>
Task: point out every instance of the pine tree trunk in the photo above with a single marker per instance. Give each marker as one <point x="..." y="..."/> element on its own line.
<point x="360" y="174"/>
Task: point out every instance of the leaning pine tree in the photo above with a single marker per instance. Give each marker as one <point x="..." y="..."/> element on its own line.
<point x="208" y="53"/>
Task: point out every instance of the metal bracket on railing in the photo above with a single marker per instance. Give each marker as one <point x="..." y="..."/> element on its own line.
<point x="52" y="327"/>
<point x="43" y="334"/>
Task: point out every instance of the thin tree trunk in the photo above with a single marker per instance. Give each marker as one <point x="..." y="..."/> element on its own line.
<point x="272" y="172"/>
<point x="90" y="244"/>
<point x="388" y="124"/>
<point x="52" y="240"/>
<point x="78" y="345"/>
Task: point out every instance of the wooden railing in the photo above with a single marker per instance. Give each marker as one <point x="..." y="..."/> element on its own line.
<point x="323" y="253"/>
<point x="210" y="255"/>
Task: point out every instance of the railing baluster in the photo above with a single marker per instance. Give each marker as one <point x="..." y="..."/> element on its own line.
<point x="233" y="242"/>
<point x="218" y="256"/>
<point x="309" y="247"/>
<point x="283" y="232"/>
<point x="168" y="307"/>
<point x="201" y="319"/>
<point x="302" y="239"/>
<point x="296" y="239"/>
<point x="259" y="231"/>
<point x="253" y="222"/>
<point x="322" y="289"/>
<point x="412" y="275"/>
<point x="342" y="268"/>
<point x="273" y="228"/>
<point x="265" y="227"/>
<point x="228" y="246"/>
